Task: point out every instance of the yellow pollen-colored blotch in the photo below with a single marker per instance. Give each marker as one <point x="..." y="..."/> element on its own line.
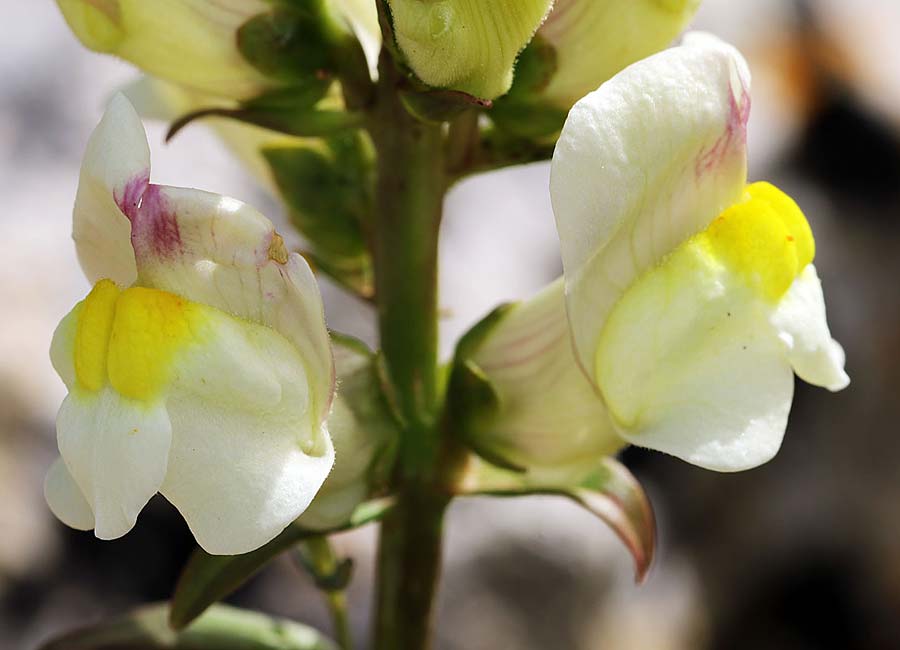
<point x="765" y="239"/>
<point x="129" y="338"/>
<point x="95" y="320"/>
<point x="149" y="328"/>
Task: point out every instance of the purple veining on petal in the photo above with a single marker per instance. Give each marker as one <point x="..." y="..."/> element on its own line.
<point x="128" y="198"/>
<point x="735" y="134"/>
<point x="155" y="225"/>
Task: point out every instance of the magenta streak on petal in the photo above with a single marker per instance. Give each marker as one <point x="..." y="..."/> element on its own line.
<point x="735" y="133"/>
<point x="155" y="225"/>
<point x="128" y="198"/>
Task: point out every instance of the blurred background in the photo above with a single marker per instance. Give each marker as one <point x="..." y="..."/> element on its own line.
<point x="801" y="553"/>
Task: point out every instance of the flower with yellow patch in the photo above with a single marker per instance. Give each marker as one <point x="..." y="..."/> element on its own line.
<point x="689" y="298"/>
<point x="199" y="365"/>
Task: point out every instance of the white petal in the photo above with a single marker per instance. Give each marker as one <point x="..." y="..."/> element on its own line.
<point x="248" y="453"/>
<point x="362" y="431"/>
<point x="65" y="498"/>
<point x="690" y="366"/>
<point x="114" y="175"/>
<point x="594" y="40"/>
<point x="62" y="347"/>
<point x="550" y="416"/>
<point x="643" y="163"/>
<point x="116" y="451"/>
<point x="800" y="319"/>
<point x="221" y="252"/>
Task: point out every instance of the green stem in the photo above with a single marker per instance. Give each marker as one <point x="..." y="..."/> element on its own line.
<point x="337" y="608"/>
<point x="330" y="575"/>
<point x="409" y="195"/>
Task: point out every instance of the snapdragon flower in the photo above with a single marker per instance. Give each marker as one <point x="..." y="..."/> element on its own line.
<point x="689" y="298"/>
<point x="199" y="365"/>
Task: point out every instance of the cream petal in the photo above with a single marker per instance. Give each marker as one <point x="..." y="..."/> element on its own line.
<point x="549" y="415"/>
<point x="116" y="450"/>
<point x="362" y="431"/>
<point x="643" y="163"/>
<point x="62" y="347"/>
<point x="221" y="252"/>
<point x="65" y="498"/>
<point x="689" y="365"/>
<point x="114" y="175"/>
<point x="803" y="328"/>
<point x="594" y="40"/>
<point x="238" y="472"/>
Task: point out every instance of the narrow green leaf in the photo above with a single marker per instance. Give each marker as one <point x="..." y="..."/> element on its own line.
<point x="220" y="628"/>
<point x="290" y="121"/>
<point x="609" y="491"/>
<point x="207" y="579"/>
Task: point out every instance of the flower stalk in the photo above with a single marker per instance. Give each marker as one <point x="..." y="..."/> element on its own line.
<point x="411" y="183"/>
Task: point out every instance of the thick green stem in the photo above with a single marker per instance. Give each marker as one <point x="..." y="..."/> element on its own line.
<point x="409" y="196"/>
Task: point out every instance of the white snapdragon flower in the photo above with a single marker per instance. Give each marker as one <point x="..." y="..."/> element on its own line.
<point x="199" y="366"/>
<point x="690" y="296"/>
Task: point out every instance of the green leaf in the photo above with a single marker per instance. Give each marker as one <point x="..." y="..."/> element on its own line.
<point x="608" y="490"/>
<point x="300" y="122"/>
<point x="221" y="628"/>
<point x="328" y="187"/>
<point x="206" y="578"/>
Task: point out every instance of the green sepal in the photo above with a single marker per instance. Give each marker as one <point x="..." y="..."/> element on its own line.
<point x="328" y="188"/>
<point x="220" y="628"/>
<point x="522" y="112"/>
<point x="207" y="579"/>
<point x="607" y="489"/>
<point x="294" y="43"/>
<point x="437" y="106"/>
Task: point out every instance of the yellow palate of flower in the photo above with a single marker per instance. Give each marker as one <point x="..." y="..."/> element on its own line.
<point x="130" y="338"/>
<point x="764" y="239"/>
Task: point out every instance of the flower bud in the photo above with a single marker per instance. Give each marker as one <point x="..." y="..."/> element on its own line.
<point x="190" y="42"/>
<point x="466" y="45"/>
